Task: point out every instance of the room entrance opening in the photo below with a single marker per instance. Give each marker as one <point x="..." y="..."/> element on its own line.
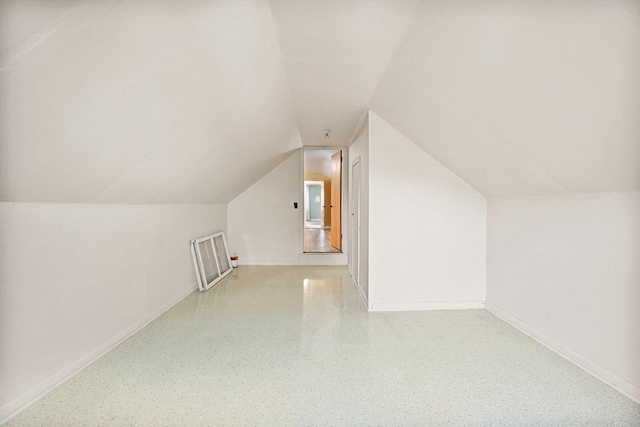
<point x="322" y="201"/>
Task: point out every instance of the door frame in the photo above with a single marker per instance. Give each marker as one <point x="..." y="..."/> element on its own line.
<point x="355" y="231"/>
<point x="345" y="198"/>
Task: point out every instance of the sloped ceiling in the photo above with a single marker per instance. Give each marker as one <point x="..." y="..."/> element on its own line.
<point x="143" y="101"/>
<point x="335" y="54"/>
<point x="522" y="97"/>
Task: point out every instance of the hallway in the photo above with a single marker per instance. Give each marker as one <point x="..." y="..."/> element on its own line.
<point x="295" y="346"/>
<point x="318" y="240"/>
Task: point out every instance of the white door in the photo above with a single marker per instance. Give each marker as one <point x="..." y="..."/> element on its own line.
<point x="355" y="221"/>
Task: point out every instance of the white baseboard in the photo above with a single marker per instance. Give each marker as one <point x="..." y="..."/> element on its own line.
<point x="268" y="263"/>
<point x="306" y="259"/>
<point x="22" y="402"/>
<point x="323" y="259"/>
<point x="424" y="306"/>
<point x="624" y="387"/>
<point x="361" y="292"/>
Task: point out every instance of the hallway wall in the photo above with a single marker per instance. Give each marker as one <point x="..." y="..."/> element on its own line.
<point x="327" y="194"/>
<point x="427" y="229"/>
<point x="264" y="228"/>
<point x="359" y="148"/>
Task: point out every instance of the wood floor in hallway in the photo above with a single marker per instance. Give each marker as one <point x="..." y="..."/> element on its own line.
<point x="294" y="346"/>
<point x="318" y="240"/>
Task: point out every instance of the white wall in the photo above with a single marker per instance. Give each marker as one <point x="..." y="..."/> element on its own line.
<point x="75" y="279"/>
<point x="360" y="148"/>
<point x="427" y="228"/>
<point x="264" y="228"/>
<point x="318" y="162"/>
<point x="522" y="98"/>
<point x="140" y="101"/>
<point x="566" y="269"/>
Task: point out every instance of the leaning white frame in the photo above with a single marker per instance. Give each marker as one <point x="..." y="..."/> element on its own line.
<point x="199" y="266"/>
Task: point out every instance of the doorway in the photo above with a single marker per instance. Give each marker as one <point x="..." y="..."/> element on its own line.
<point x="355" y="221"/>
<point x="314" y="204"/>
<point x="322" y="200"/>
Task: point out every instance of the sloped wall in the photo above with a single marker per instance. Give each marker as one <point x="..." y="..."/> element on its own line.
<point x="427" y="228"/>
<point x="566" y="269"/>
<point x="77" y="279"/>
<point x="140" y="101"/>
<point x="522" y="98"/>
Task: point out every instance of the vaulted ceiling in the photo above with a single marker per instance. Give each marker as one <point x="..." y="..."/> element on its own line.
<point x="335" y="54"/>
<point x="143" y="101"/>
<point x="521" y="97"/>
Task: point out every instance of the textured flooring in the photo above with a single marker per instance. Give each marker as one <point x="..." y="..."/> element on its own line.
<point x="284" y="346"/>
<point x="318" y="240"/>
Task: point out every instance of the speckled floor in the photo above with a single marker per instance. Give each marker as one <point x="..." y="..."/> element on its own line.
<point x="285" y="346"/>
